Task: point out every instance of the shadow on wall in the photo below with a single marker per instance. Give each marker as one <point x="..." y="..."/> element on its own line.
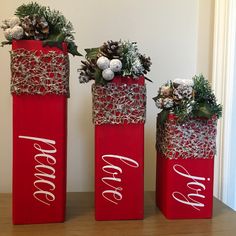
<point x="150" y="158"/>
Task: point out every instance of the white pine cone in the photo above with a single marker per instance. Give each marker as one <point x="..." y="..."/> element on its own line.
<point x="176" y="94"/>
<point x="103" y="63"/>
<point x="115" y="65"/>
<point x="83" y="79"/>
<point x="183" y="91"/>
<point x="14" y="21"/>
<point x="186" y="91"/>
<point x="17" y="32"/>
<point x="108" y="74"/>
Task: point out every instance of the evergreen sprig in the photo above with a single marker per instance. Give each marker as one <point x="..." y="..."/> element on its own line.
<point x="54" y="18"/>
<point x="60" y="28"/>
<point x="206" y="104"/>
<point x="134" y="64"/>
<point x="202" y="102"/>
<point x="29" y="9"/>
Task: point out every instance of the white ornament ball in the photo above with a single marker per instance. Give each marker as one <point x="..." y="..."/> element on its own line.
<point x="14" y="21"/>
<point x="17" y="32"/>
<point x="115" y="65"/>
<point x="108" y="74"/>
<point x="8" y="34"/>
<point x="103" y="63"/>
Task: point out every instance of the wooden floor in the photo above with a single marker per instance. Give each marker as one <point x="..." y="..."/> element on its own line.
<point x="80" y="221"/>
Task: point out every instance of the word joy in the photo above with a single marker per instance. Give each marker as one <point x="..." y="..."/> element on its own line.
<point x="113" y="173"/>
<point x="45" y="172"/>
<point x="196" y="187"/>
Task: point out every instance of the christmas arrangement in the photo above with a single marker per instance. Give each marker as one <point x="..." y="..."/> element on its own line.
<point x="192" y="111"/>
<point x="35" y="22"/>
<point x="190" y="98"/>
<point x="113" y="58"/>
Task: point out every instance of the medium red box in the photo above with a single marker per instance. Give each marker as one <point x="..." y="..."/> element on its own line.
<point x="39" y="142"/>
<point x="119" y="166"/>
<point x="184" y="183"/>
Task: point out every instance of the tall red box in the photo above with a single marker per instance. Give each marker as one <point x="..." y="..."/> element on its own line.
<point x="185" y="166"/>
<point x="119" y="114"/>
<point x="40" y="89"/>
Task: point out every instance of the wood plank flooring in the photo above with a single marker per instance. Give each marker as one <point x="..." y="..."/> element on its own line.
<point x="80" y="221"/>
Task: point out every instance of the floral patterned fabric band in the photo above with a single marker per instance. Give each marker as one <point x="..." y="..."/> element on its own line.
<point x="38" y="73"/>
<point x="119" y="104"/>
<point x="194" y="138"/>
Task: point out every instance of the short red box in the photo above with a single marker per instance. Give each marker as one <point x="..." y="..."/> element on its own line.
<point x="119" y="167"/>
<point x="185" y="187"/>
<point x="184" y="182"/>
<point x="39" y="145"/>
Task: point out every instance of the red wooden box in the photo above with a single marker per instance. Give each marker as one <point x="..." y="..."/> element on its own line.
<point x="119" y="167"/>
<point x="39" y="149"/>
<point x="184" y="183"/>
<point x="185" y="187"/>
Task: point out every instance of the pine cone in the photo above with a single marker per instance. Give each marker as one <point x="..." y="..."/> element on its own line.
<point x="88" y="67"/>
<point x="112" y="50"/>
<point x="83" y="78"/>
<point x="87" y="71"/>
<point x="35" y="27"/>
<point x="182" y="91"/>
<point x="146" y="63"/>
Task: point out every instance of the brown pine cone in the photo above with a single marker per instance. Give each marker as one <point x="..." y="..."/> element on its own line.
<point x="35" y="27"/>
<point x="87" y="71"/>
<point x="88" y="68"/>
<point x="112" y="50"/>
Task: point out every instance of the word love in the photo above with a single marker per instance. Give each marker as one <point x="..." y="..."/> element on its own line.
<point x="113" y="173"/>
<point x="196" y="188"/>
<point x="45" y="172"/>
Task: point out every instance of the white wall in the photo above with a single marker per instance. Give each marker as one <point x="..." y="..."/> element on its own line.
<point x="205" y="37"/>
<point x="166" y="30"/>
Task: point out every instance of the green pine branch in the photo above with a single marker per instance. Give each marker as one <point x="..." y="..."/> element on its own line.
<point x="206" y="104"/>
<point x="60" y="28"/>
<point x="29" y="9"/>
<point x="57" y="22"/>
